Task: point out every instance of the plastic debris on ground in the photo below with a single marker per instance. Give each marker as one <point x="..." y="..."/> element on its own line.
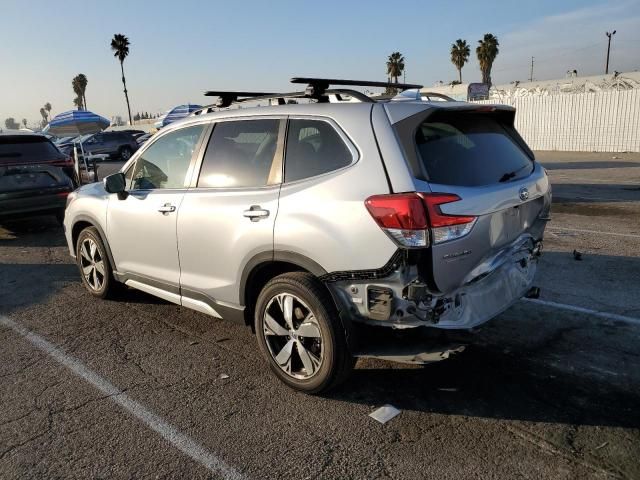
<point x="384" y="413"/>
<point x="223" y="376"/>
<point x="448" y="389"/>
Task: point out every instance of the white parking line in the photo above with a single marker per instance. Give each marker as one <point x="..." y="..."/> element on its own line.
<point x="167" y="431"/>
<point x="593" y="231"/>
<point x="588" y="311"/>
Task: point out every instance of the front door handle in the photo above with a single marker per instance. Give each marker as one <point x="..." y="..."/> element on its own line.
<point x="256" y="212"/>
<point x="167" y="208"/>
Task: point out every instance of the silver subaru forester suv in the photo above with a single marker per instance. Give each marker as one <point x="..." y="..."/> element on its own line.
<point x="314" y="222"/>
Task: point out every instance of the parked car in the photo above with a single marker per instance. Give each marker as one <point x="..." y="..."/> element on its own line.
<point x="66" y="144"/>
<point x="114" y="144"/>
<point x="35" y="178"/>
<point x="134" y="133"/>
<point x="309" y="221"/>
<point x="143" y="138"/>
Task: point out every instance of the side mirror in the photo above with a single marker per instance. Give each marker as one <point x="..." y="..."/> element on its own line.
<point x="115" y="183"/>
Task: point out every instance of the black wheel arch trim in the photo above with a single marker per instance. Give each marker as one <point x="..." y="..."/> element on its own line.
<point x="277" y="256"/>
<point x="92" y="221"/>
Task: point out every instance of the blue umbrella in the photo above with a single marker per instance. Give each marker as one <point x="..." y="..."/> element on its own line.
<point x="176" y="113"/>
<point x="76" y="122"/>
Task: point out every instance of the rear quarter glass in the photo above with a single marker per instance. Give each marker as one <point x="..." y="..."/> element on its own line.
<point x="470" y="149"/>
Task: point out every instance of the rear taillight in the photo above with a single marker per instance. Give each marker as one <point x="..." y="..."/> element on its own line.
<point x="446" y="227"/>
<point x="67" y="161"/>
<point x="402" y="216"/>
<point x="407" y="217"/>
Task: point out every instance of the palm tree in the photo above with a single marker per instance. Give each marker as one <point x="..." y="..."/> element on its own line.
<point x="459" y="55"/>
<point x="487" y="51"/>
<point x="24" y="122"/>
<point x="79" y="85"/>
<point x="395" y="66"/>
<point x="43" y="113"/>
<point x="75" y="84"/>
<point x="120" y="47"/>
<point x="47" y="107"/>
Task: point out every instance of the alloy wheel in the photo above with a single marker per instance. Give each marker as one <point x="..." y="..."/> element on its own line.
<point x="293" y="336"/>
<point x="92" y="264"/>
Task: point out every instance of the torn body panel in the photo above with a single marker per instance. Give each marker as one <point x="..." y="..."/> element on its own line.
<point x="405" y="298"/>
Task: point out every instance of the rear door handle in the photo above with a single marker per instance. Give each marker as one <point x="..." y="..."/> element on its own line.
<point x="167" y="208"/>
<point x="256" y="212"/>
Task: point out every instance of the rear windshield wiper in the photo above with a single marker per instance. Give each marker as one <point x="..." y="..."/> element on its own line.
<point x="509" y="175"/>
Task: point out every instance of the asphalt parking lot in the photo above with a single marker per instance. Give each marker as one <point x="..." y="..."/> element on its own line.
<point x="132" y="388"/>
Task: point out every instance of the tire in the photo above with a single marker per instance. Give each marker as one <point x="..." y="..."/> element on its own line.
<point x="317" y="339"/>
<point x="125" y="153"/>
<point x="99" y="284"/>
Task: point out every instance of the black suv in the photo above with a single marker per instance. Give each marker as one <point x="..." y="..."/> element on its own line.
<point x="35" y="177"/>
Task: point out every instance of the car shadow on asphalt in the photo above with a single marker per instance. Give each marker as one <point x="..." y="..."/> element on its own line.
<point x="588" y="165"/>
<point x="485" y="383"/>
<point x="595" y="193"/>
<point x="37" y="231"/>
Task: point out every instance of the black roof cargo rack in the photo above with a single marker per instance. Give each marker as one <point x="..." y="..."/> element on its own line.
<point x="317" y="89"/>
<point x="227" y="98"/>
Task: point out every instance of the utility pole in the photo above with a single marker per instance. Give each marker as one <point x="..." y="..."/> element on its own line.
<point x="606" y="68"/>
<point x="531" y="74"/>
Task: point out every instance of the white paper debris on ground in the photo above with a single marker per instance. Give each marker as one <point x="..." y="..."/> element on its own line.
<point x="384" y="413"/>
<point x="223" y="376"/>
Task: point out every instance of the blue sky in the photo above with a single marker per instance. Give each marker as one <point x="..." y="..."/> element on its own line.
<point x="181" y="48"/>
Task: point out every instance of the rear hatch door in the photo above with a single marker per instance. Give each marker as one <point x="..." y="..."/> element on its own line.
<point x="476" y="154"/>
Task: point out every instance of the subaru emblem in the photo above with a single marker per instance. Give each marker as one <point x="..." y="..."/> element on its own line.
<point x="524" y="194"/>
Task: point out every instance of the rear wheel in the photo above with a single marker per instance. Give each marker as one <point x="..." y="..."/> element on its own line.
<point x="125" y="153"/>
<point x="300" y="334"/>
<point x="93" y="263"/>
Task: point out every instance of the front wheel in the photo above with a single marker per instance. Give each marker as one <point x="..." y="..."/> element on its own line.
<point x="300" y="334"/>
<point x="93" y="263"/>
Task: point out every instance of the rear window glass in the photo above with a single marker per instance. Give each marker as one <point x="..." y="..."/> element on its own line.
<point x="470" y="150"/>
<point x="26" y="149"/>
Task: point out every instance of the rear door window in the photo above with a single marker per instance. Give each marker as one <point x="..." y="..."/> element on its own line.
<point x="314" y="147"/>
<point x="240" y="154"/>
<point x="470" y="150"/>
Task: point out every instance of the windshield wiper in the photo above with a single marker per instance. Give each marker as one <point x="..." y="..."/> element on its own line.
<point x="509" y="175"/>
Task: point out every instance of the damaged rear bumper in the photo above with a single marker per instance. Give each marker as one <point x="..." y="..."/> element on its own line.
<point x="402" y="299"/>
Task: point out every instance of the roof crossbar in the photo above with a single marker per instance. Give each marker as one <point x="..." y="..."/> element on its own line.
<point x="227" y="98"/>
<point x="316" y="87"/>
